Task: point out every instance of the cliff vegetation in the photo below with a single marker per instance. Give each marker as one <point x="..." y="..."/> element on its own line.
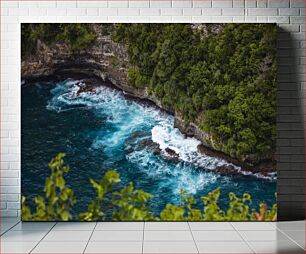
<point x="76" y="36"/>
<point x="220" y="78"/>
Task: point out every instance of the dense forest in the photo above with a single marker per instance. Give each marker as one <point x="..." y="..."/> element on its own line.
<point x="222" y="77"/>
<point x="77" y="36"/>
<point x="223" y="80"/>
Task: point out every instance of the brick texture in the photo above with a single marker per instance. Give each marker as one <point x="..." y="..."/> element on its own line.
<point x="288" y="14"/>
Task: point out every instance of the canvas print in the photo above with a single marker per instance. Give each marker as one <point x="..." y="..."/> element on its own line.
<point x="148" y="122"/>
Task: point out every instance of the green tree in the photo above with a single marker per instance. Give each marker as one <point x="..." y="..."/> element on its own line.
<point x="225" y="81"/>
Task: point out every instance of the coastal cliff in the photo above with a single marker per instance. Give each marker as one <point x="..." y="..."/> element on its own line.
<point x="109" y="61"/>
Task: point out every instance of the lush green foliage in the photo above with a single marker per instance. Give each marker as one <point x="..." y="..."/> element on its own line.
<point x="224" y="82"/>
<point x="58" y="200"/>
<point x="76" y="36"/>
<point x="130" y="204"/>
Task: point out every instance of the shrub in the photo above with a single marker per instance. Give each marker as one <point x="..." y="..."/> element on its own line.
<point x="58" y="200"/>
<point x="130" y="204"/>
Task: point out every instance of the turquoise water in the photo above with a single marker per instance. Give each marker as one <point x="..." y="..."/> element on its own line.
<point x="104" y="130"/>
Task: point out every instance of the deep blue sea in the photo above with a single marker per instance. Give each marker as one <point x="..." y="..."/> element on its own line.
<point x="104" y="130"/>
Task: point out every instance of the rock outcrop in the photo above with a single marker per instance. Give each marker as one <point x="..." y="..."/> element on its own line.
<point x="108" y="61"/>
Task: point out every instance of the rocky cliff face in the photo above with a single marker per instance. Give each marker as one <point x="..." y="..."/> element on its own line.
<point x="104" y="59"/>
<point x="209" y="147"/>
<point x="108" y="61"/>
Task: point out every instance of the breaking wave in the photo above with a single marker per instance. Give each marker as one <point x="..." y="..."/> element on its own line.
<point x="127" y="125"/>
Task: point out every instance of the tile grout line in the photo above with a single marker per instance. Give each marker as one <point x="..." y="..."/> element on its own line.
<point x="90" y="237"/>
<point x="10" y="228"/>
<point x="244" y="240"/>
<point x="143" y="232"/>
<point x="42" y="238"/>
<point x="273" y="224"/>
<point x="193" y="237"/>
<point x="290" y="238"/>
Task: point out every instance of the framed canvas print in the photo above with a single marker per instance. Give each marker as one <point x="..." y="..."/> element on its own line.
<point x="148" y="122"/>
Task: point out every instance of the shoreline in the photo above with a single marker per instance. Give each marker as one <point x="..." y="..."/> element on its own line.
<point x="262" y="170"/>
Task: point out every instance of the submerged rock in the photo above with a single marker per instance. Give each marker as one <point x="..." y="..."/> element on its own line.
<point x="227" y="170"/>
<point x="170" y="154"/>
<point x="152" y="146"/>
<point x="86" y="86"/>
<point x="108" y="61"/>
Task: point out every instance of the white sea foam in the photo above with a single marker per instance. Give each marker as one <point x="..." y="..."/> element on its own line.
<point x="126" y="117"/>
<point x="180" y="176"/>
<point x="168" y="137"/>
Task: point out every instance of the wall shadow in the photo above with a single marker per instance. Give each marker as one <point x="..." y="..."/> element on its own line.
<point x="290" y="129"/>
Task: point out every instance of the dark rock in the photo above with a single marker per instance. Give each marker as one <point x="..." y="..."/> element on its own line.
<point x="263" y="167"/>
<point x="227" y="170"/>
<point x="107" y="61"/>
<point x="152" y="146"/>
<point x="157" y="150"/>
<point x="171" y="154"/>
<point x="85" y="87"/>
<point x="217" y="154"/>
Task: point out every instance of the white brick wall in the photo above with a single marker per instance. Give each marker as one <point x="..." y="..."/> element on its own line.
<point x="288" y="13"/>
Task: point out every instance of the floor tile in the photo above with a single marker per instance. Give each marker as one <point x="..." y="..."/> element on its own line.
<point x="114" y="247"/>
<point x="60" y="247"/>
<point x="9" y="224"/>
<point x="258" y="235"/>
<point x="252" y="226"/>
<point x="119" y="226"/>
<point x="33" y="226"/>
<point x="6" y="225"/>
<point x="167" y="226"/>
<point x="301" y="243"/>
<point x="167" y="236"/>
<point x="223" y="247"/>
<point x="276" y="247"/>
<point x="5" y="228"/>
<point x="17" y="247"/>
<point x="22" y="236"/>
<point x="107" y="236"/>
<point x="69" y="226"/>
<point x="297" y="236"/>
<point x="221" y="226"/>
<point x="70" y="236"/>
<point x="216" y="236"/>
<point x="169" y="247"/>
<point x="290" y="225"/>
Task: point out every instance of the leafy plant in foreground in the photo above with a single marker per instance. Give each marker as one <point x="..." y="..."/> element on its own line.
<point x="58" y="199"/>
<point x="102" y="188"/>
<point x="130" y="204"/>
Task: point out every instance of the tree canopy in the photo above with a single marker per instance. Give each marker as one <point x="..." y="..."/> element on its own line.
<point x="76" y="36"/>
<point x="224" y="81"/>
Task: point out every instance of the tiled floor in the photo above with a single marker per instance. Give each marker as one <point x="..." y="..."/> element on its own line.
<point x="152" y="237"/>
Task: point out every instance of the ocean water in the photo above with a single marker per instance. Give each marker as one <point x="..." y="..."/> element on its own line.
<point x="104" y="130"/>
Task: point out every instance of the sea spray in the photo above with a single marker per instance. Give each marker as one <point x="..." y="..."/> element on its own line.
<point x="124" y="137"/>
